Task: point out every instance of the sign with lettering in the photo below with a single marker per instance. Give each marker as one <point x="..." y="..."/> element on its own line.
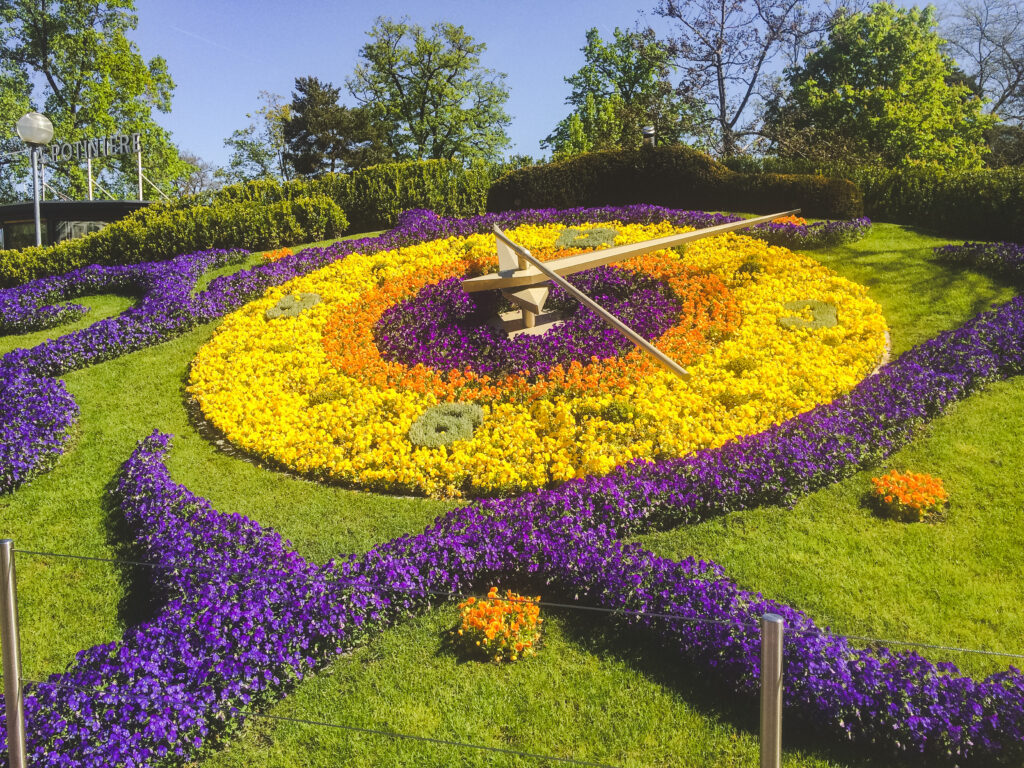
<point x="105" y="147"/>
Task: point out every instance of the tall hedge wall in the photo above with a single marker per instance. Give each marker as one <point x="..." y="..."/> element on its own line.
<point x="977" y="205"/>
<point x="160" y="233"/>
<point x="373" y="197"/>
<point x="676" y="177"/>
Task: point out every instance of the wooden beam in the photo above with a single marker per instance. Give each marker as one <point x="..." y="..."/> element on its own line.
<point x="531" y="298"/>
<point x="506" y="278"/>
<point x="666" y="362"/>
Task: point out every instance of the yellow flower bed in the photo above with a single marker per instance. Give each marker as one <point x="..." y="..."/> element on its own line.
<point x="273" y="389"/>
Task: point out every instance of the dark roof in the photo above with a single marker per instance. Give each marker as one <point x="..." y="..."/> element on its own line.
<point x="74" y="210"/>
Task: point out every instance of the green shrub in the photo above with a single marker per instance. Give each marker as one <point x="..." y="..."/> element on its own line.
<point x="373" y="197"/>
<point x="445" y="424"/>
<point x="982" y="204"/>
<point x="675" y="177"/>
<point x="164" y="232"/>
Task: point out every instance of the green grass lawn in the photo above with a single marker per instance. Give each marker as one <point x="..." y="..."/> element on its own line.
<point x="593" y="692"/>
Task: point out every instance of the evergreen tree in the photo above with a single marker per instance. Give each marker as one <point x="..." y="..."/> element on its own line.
<point x="323" y="136"/>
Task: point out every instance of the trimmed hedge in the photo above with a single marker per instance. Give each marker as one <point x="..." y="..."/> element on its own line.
<point x="675" y="177"/>
<point x="373" y="197"/>
<point x="265" y="214"/>
<point x="160" y="233"/>
<point x="981" y="204"/>
<point x="984" y="205"/>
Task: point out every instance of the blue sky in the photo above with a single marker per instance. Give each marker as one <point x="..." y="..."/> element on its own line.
<point x="221" y="53"/>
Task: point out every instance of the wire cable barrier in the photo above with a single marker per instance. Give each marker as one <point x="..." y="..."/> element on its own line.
<point x="380" y="732"/>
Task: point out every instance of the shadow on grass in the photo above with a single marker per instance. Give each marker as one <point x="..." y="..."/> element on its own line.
<point x="643" y="652"/>
<point x="141" y="600"/>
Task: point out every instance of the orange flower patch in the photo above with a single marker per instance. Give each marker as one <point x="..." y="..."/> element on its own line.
<point x="500" y="628"/>
<point x="280" y="253"/>
<point x="909" y="496"/>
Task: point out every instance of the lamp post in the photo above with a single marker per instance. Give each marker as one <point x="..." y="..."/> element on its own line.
<point x="648" y="133"/>
<point x="36" y="130"/>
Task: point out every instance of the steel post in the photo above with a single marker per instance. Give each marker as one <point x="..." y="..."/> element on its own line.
<point x="771" y="690"/>
<point x="14" y="703"/>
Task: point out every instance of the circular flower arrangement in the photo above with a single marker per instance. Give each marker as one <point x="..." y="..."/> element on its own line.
<point x="334" y="388"/>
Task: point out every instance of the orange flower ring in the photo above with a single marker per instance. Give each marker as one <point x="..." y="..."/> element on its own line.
<point x="709" y="310"/>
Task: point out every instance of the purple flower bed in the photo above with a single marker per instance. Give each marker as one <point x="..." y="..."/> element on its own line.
<point x="28" y="308"/>
<point x="1005" y="259"/>
<point x="444" y="328"/>
<point x="821" y="234"/>
<point x="36" y="415"/>
<point x="166" y="308"/>
<point x="245" y="617"/>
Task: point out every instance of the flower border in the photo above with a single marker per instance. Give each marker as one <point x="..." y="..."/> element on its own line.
<point x="246" y="617"/>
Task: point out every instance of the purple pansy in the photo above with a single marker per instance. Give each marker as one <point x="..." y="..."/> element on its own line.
<point x="444" y="328"/>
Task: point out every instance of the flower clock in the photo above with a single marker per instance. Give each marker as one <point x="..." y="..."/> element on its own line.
<point x="364" y="363"/>
<point x="337" y="391"/>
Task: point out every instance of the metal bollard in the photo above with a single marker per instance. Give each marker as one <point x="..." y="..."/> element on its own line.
<point x="14" y="704"/>
<point x="771" y="690"/>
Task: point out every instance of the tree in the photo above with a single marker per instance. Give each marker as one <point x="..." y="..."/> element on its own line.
<point x="987" y="39"/>
<point x="75" y="62"/>
<point x="258" y="150"/>
<point x="200" y="177"/>
<point x="1006" y="143"/>
<point x="596" y="126"/>
<point x="881" y="87"/>
<point x="14" y="102"/>
<point x="725" y="47"/>
<point x="429" y="93"/>
<point x="622" y="87"/>
<point x="324" y="136"/>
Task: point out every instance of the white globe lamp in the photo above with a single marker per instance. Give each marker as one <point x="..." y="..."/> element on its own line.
<point x="36" y="130"/>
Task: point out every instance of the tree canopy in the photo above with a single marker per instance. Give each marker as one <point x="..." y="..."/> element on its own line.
<point x="724" y="49"/>
<point x="324" y="136"/>
<point x="429" y="94"/>
<point x="623" y="86"/>
<point x="75" y="63"/>
<point x="258" y="150"/>
<point x="881" y="88"/>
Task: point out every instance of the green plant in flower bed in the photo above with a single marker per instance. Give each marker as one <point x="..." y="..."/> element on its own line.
<point x="292" y="306"/>
<point x="445" y="424"/>
<point x="597" y="237"/>
<point x="823" y="315"/>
